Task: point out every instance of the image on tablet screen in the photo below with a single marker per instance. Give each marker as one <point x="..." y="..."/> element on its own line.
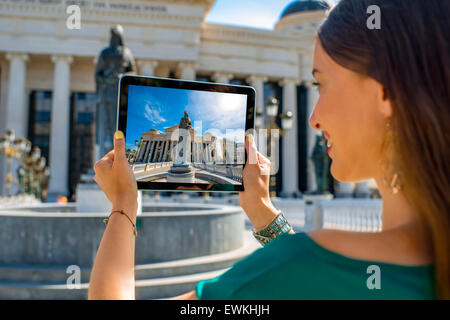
<point x="185" y="136"/>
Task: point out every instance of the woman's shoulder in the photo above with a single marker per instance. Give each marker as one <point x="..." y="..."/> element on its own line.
<point x="310" y="265"/>
<point x="398" y="247"/>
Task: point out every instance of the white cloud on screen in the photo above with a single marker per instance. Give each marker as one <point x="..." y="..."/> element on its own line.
<point x="152" y="112"/>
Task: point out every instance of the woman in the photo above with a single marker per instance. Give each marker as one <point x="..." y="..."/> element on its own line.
<point x="384" y="98"/>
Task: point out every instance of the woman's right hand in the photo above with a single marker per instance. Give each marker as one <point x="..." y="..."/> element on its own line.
<point x="255" y="200"/>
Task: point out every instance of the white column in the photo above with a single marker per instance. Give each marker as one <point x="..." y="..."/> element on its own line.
<point x="257" y="82"/>
<point x="60" y="124"/>
<point x="146" y="150"/>
<point x="362" y="189"/>
<point x="222" y="77"/>
<point x="165" y="151"/>
<point x="142" y="151"/>
<point x="16" y="103"/>
<point x="197" y="152"/>
<point x="171" y="148"/>
<point x="150" y="153"/>
<point x="186" y="71"/>
<point x="147" y="67"/>
<point x="150" y="150"/>
<point x="16" y="111"/>
<point x="290" y="141"/>
<point x="162" y="71"/>
<point x="158" y="143"/>
<point x="311" y="137"/>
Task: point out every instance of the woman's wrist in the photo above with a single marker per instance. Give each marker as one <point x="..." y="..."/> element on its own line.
<point x="127" y="206"/>
<point x="261" y="213"/>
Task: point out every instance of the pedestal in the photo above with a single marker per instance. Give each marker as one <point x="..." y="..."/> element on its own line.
<point x="313" y="211"/>
<point x="181" y="173"/>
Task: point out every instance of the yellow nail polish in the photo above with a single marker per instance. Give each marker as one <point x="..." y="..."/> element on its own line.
<point x="250" y="138"/>
<point x="118" y="134"/>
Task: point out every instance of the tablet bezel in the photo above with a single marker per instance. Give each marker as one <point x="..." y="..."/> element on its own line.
<point x="122" y="109"/>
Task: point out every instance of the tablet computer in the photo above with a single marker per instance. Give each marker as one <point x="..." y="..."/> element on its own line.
<point x="185" y="135"/>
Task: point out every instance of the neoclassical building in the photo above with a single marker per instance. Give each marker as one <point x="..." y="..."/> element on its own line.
<point x="47" y="73"/>
<point x="158" y="147"/>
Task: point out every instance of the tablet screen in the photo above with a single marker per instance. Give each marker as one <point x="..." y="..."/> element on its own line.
<point x="186" y="139"/>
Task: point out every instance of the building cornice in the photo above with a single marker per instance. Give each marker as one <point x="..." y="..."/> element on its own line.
<point x="301" y="19"/>
<point x="267" y="38"/>
<point x="147" y="12"/>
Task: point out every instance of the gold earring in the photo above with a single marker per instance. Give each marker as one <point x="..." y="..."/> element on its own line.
<point x="393" y="180"/>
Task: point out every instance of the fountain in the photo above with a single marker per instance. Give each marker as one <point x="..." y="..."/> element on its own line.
<point x="176" y="247"/>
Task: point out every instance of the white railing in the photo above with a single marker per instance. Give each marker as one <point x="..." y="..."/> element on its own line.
<point x="229" y="172"/>
<point x="155" y="165"/>
<point x="362" y="215"/>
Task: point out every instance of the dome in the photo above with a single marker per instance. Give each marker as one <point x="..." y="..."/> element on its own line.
<point x="305" y="5"/>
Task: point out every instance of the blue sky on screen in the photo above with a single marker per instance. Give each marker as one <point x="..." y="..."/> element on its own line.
<point x="262" y="14"/>
<point x="221" y="114"/>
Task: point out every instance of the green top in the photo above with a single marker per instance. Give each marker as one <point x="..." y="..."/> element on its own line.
<point x="294" y="267"/>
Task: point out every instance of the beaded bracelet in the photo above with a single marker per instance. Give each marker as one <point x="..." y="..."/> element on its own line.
<point x="278" y="226"/>
<point x="123" y="213"/>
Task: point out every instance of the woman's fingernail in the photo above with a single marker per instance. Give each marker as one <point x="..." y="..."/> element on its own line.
<point x="250" y="138"/>
<point x="118" y="134"/>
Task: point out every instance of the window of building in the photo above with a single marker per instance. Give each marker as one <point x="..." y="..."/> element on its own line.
<point x="39" y="120"/>
<point x="82" y="130"/>
<point x="239" y="82"/>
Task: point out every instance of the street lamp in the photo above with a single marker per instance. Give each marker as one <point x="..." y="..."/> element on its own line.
<point x="272" y="107"/>
<point x="12" y="148"/>
<point x="286" y="120"/>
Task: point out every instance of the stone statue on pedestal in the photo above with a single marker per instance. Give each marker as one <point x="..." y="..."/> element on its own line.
<point x="321" y="161"/>
<point x="182" y="170"/>
<point x="114" y="61"/>
<point x="182" y="151"/>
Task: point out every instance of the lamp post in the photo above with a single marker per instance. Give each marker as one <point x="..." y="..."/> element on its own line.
<point x="12" y="147"/>
<point x="286" y="121"/>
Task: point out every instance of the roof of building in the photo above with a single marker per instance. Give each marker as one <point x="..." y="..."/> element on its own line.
<point x="305" y="5"/>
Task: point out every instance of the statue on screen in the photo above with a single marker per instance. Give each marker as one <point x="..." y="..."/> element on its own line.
<point x="114" y="61"/>
<point x="182" y="149"/>
<point x="182" y="170"/>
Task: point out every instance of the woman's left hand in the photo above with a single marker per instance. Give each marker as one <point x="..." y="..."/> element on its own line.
<point x="115" y="176"/>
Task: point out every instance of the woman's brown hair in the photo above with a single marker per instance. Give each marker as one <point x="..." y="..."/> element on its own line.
<point x="410" y="56"/>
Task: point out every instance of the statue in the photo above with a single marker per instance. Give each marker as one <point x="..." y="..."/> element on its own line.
<point x="182" y="170"/>
<point x="321" y="161"/>
<point x="114" y="61"/>
<point x="185" y="122"/>
<point x="182" y="149"/>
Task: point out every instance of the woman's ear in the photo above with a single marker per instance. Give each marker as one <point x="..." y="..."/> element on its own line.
<point x="384" y="102"/>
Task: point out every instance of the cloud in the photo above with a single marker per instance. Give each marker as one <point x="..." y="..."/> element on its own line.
<point x="153" y="113"/>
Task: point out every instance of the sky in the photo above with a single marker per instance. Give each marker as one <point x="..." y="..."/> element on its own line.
<point x="262" y="14"/>
<point x="221" y="114"/>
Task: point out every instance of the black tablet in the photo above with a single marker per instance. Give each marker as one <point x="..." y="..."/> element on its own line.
<point x="185" y="135"/>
